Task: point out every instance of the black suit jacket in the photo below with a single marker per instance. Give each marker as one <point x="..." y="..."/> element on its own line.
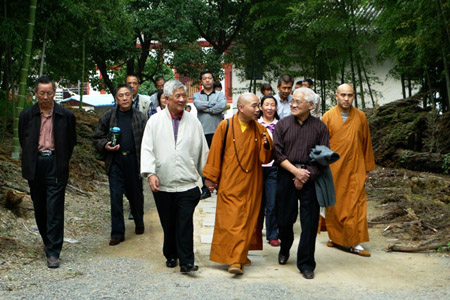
<point x="64" y="134"/>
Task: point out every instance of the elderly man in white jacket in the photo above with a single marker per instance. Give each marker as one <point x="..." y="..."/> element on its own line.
<point x="173" y="153"/>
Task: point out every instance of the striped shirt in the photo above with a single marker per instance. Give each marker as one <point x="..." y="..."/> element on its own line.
<point x="294" y="142"/>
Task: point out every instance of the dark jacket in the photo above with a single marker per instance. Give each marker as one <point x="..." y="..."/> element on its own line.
<point x="324" y="156"/>
<point x="64" y="134"/>
<point x="108" y="120"/>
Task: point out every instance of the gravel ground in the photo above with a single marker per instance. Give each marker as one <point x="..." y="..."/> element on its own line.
<point x="135" y="269"/>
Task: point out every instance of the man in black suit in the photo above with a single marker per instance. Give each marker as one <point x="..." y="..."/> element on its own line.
<point x="47" y="136"/>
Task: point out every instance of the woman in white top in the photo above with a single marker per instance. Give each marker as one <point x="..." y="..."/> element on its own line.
<point x="269" y="119"/>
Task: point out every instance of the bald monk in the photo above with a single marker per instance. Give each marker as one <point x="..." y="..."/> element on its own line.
<point x="350" y="137"/>
<point x="237" y="176"/>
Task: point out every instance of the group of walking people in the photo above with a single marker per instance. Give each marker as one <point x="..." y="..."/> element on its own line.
<point x="258" y="161"/>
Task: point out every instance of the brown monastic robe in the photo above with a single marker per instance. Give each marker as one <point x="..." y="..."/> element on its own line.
<point x="239" y="193"/>
<point x="347" y="220"/>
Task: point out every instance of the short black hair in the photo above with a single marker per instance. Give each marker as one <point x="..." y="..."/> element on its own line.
<point x="44" y="80"/>
<point x="265" y="86"/>
<point x="135" y="75"/>
<point x="206" y="72"/>
<point x="158" y="78"/>
<point x="122" y="86"/>
<point x="158" y="96"/>
<point x="309" y="81"/>
<point x="217" y="84"/>
<point x="299" y="82"/>
<point x="286" y="78"/>
<point x="276" y="116"/>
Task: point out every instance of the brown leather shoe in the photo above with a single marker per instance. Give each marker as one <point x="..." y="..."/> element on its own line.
<point x="139" y="229"/>
<point x="52" y="262"/>
<point x="115" y="241"/>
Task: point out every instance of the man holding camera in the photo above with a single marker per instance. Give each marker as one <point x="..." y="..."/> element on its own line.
<point x="123" y="160"/>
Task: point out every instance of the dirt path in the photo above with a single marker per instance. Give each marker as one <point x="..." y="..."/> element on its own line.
<point x="136" y="269"/>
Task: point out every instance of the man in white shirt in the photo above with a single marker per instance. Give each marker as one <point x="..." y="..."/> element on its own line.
<point x="285" y="83"/>
<point x="174" y="151"/>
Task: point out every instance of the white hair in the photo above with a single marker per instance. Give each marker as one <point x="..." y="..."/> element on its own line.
<point x="171" y="86"/>
<point x="308" y="94"/>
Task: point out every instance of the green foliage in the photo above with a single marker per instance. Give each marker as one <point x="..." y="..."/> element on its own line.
<point x="446" y="163"/>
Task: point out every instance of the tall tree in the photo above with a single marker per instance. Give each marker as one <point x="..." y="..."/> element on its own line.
<point x="23" y="78"/>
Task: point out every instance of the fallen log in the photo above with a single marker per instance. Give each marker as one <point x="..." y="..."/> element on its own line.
<point x="415" y="248"/>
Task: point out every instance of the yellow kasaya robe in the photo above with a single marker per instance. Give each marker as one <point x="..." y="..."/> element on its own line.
<point x="347" y="220"/>
<point x="239" y="193"/>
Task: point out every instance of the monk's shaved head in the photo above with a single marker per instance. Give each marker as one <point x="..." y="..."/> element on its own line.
<point x="344" y="97"/>
<point x="345" y="86"/>
<point x="248" y="106"/>
<point x="246" y="98"/>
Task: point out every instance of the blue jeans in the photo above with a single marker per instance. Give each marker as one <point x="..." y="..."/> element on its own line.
<point x="268" y="202"/>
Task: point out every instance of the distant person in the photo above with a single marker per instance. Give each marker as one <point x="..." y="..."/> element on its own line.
<point x="350" y="137"/>
<point x="188" y="108"/>
<point x="307" y="83"/>
<point x="123" y="160"/>
<point x="140" y="102"/>
<point x="298" y="84"/>
<point x="294" y="137"/>
<point x="159" y="85"/>
<point x="47" y="136"/>
<point x="266" y="89"/>
<point x="217" y="86"/>
<point x="174" y="151"/>
<point x="269" y="118"/>
<point x="162" y="100"/>
<point x="210" y="105"/>
<point x="233" y="168"/>
<point x="285" y="83"/>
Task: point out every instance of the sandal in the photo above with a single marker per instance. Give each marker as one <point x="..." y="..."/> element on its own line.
<point x="363" y="252"/>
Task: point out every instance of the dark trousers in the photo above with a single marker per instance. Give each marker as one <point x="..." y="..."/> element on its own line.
<point x="208" y="138"/>
<point x="268" y="204"/>
<point x="176" y="211"/>
<point x="47" y="193"/>
<point x="287" y="211"/>
<point x="124" y="178"/>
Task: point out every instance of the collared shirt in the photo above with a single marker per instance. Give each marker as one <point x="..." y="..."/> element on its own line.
<point x="293" y="141"/>
<point x="176" y="124"/>
<point x="283" y="107"/>
<point x="46" y="139"/>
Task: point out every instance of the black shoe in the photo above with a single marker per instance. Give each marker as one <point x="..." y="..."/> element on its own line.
<point x="130" y="216"/>
<point x="188" y="268"/>
<point x="282" y="259"/>
<point x="139" y="229"/>
<point x="205" y="194"/>
<point x="171" y="263"/>
<point x="115" y="241"/>
<point x="52" y="262"/>
<point x="307" y="274"/>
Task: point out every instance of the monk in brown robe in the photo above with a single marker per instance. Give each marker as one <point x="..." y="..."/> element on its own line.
<point x="350" y="137"/>
<point x="236" y="173"/>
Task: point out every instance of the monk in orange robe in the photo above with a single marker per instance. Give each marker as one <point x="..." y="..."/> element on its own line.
<point x="236" y="173"/>
<point x="350" y="137"/>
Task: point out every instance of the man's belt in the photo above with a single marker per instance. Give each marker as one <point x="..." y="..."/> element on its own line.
<point x="45" y="153"/>
<point x="126" y="153"/>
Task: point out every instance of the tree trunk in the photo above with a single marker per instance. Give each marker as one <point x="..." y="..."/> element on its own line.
<point x="361" y="88"/>
<point x="368" y="85"/>
<point x="23" y="78"/>
<point x="409" y="87"/>
<point x="402" y="79"/>
<point x="104" y="71"/>
<point x="44" y="44"/>
<point x="352" y="65"/>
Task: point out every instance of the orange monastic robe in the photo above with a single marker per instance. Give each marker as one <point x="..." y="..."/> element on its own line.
<point x="239" y="193"/>
<point x="347" y="220"/>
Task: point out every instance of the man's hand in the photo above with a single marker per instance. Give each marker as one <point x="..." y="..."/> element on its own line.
<point x="109" y="148"/>
<point x="265" y="141"/>
<point x="153" y="181"/>
<point x="298" y="185"/>
<point x="302" y="175"/>
<point x="210" y="185"/>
